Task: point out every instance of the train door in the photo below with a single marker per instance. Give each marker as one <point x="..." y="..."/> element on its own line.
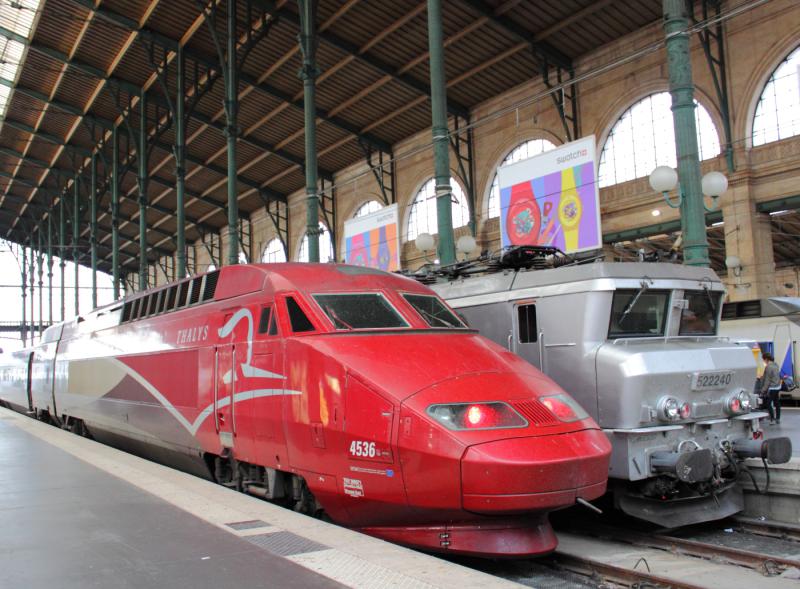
<point x="527" y="336"/>
<point x="269" y="443"/>
<point x="224" y="392"/>
<point x="29" y="383"/>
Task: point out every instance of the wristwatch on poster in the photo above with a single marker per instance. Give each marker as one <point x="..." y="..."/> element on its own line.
<point x="569" y="215"/>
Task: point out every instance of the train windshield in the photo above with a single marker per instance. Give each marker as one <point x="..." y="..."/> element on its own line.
<point x="360" y="311"/>
<point x="699" y="317"/>
<point x="433" y="311"/>
<point x="639" y="313"/>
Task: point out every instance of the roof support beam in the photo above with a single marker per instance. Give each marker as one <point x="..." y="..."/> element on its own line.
<point x="374" y="62"/>
<point x="542" y="48"/>
<point x="133" y="88"/>
<point x="265" y="89"/>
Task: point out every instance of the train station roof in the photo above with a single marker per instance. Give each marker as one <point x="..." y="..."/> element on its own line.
<point x="80" y="65"/>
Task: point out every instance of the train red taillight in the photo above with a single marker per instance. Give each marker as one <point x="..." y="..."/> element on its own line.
<point x="475" y="416"/>
<point x="564" y="407"/>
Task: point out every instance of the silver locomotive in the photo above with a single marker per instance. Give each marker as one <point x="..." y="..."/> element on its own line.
<point x="637" y="345"/>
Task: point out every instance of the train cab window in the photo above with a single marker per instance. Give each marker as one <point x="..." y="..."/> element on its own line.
<point x="266" y="321"/>
<point x="299" y="320"/>
<point x="638" y="313"/>
<point x="360" y="311"/>
<point x="526" y="324"/>
<point x="699" y="317"/>
<point x="433" y="311"/>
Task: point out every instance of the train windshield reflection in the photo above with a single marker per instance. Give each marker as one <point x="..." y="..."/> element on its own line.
<point x="638" y="313"/>
<point x="700" y="315"/>
<point x="359" y="311"/>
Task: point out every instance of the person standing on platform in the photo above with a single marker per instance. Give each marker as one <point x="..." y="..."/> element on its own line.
<point x="771" y="388"/>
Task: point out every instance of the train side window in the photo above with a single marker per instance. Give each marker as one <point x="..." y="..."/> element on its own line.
<point x="526" y="324"/>
<point x="273" y="325"/>
<point x="299" y="320"/>
<point x="263" y="321"/>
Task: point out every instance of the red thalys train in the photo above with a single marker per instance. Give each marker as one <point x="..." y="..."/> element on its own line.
<point x="329" y="388"/>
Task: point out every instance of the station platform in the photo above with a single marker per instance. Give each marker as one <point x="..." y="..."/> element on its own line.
<point x="789" y="427"/>
<point x="77" y="514"/>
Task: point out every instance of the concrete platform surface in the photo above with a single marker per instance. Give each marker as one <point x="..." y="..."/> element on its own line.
<point x="75" y="513"/>
<point x="789" y="426"/>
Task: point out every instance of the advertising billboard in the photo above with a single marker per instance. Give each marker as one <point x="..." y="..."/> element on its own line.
<point x="552" y="199"/>
<point x="374" y="240"/>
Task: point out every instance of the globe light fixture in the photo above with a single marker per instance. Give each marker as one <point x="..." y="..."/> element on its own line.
<point x="424" y="242"/>
<point x="466" y="244"/>
<point x="664" y="179"/>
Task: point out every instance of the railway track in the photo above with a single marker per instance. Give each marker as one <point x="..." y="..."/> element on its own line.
<point x="765" y="563"/>
<point x="768" y="528"/>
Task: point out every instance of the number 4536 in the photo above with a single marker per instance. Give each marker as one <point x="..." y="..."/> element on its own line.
<point x="363" y="449"/>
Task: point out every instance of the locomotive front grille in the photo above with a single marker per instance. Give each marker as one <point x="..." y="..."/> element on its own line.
<point x="707" y="409"/>
<point x="536" y="413"/>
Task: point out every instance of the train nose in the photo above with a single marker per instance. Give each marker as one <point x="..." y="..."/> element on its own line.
<point x="534" y="473"/>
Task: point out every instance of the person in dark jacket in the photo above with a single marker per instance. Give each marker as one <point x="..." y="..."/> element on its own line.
<point x="771" y="388"/>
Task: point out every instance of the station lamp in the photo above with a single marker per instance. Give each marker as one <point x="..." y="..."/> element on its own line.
<point x="664" y="179"/>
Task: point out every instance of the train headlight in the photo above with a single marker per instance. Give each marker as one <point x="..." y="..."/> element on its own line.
<point x="737" y="403"/>
<point x="476" y="416"/>
<point x="669" y="409"/>
<point x="686" y="411"/>
<point x="564" y="407"/>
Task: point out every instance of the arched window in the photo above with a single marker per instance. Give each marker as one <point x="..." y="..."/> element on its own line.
<point x="644" y="137"/>
<point x="521" y="152"/>
<point x="423" y="218"/>
<point x="778" y="110"/>
<point x="243" y="257"/>
<point x="368" y="207"/>
<point x="274" y="253"/>
<point x="325" y="246"/>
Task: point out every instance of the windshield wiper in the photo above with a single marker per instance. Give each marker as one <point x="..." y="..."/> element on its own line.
<point x="433" y="318"/>
<point x="629" y="307"/>
<point x="336" y="319"/>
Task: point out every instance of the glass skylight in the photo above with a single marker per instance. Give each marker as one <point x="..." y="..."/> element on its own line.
<point x="17" y="17"/>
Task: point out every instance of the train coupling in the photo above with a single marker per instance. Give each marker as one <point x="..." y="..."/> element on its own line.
<point x="690" y="467"/>
<point x="773" y="450"/>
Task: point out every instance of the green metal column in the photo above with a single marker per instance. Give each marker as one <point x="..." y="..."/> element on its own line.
<point x="40" y="256"/>
<point x="308" y="47"/>
<point x="115" y="211"/>
<point x="24" y="325"/>
<point x="180" y="164"/>
<point x="141" y="177"/>
<point x="231" y="133"/>
<point x="441" y="145"/>
<point x="693" y="226"/>
<point x="32" y="278"/>
<point x="93" y="228"/>
<point x="50" y="266"/>
<point x="62" y="250"/>
<point x="76" y="214"/>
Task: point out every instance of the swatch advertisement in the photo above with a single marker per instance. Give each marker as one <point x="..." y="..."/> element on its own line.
<point x="552" y="199"/>
<point x="373" y="240"/>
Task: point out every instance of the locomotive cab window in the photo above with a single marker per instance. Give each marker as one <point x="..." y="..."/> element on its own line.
<point x="297" y="317"/>
<point x="699" y="317"/>
<point x="526" y="324"/>
<point x="264" y="319"/>
<point x="359" y="311"/>
<point x="433" y="311"/>
<point x="639" y="313"/>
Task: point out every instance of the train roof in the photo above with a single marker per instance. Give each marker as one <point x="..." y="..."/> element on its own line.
<point x="582" y="277"/>
<point x="231" y="281"/>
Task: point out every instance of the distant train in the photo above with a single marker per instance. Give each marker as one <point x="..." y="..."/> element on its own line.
<point x="329" y="388"/>
<point x="637" y="345"/>
<point x="770" y="325"/>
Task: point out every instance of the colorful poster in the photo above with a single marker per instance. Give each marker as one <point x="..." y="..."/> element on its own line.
<point x="373" y="240"/>
<point x="552" y="199"/>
